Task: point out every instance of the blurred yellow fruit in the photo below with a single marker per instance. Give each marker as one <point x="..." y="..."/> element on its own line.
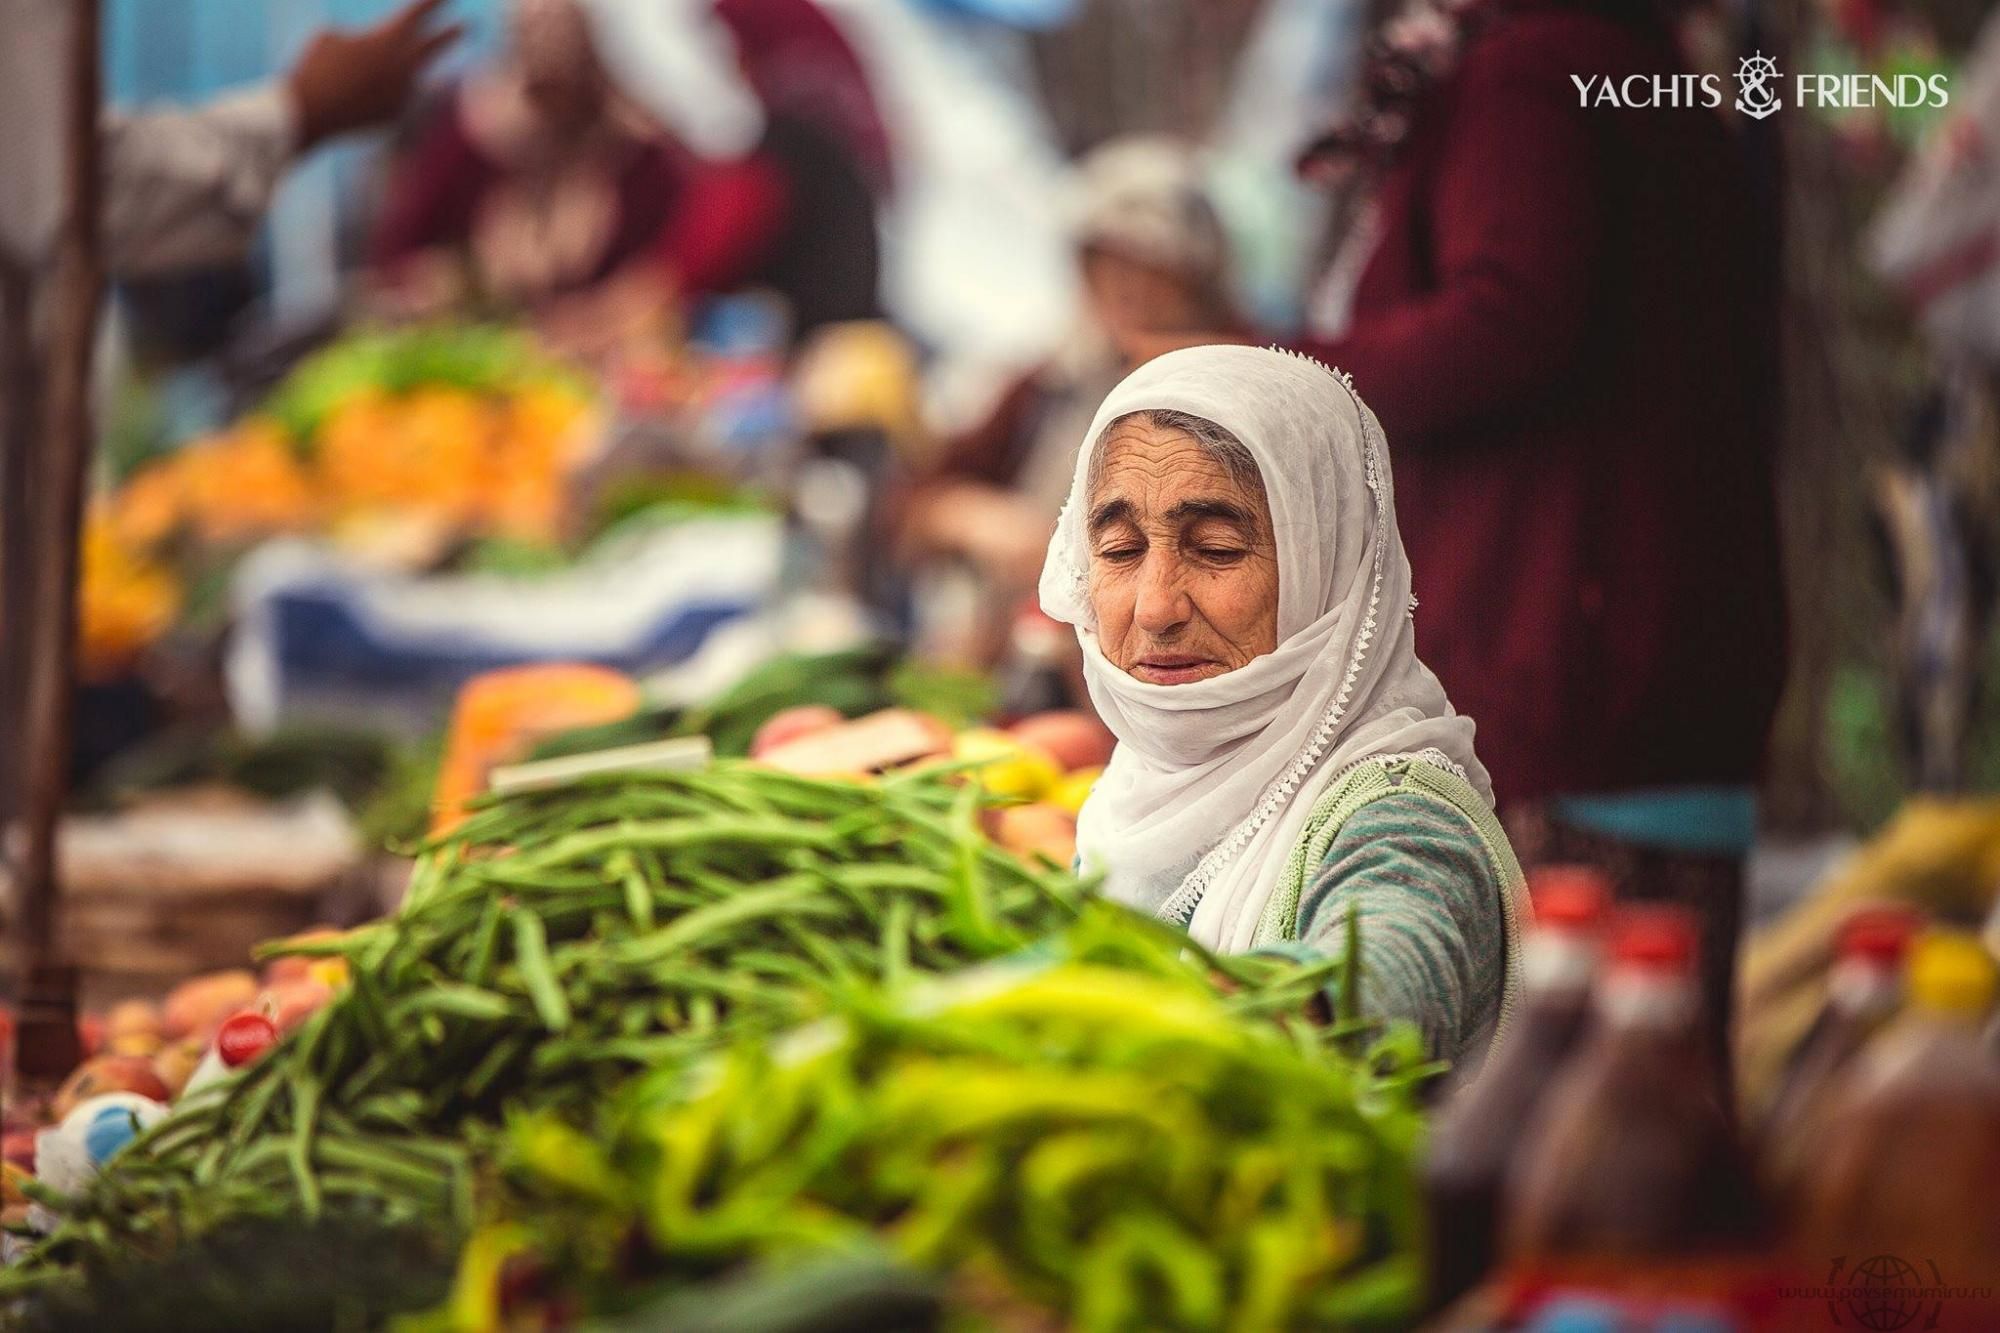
<point x="1004" y="766"/>
<point x="422" y="450"/>
<point x="150" y="505"/>
<point x="125" y="601"/>
<point x="133" y="1043"/>
<point x="176" y="1063"/>
<point x="1070" y="793"/>
<point x="451" y="458"/>
<point x="547" y="421"/>
<point x="244" y="484"/>
<point x="541" y="433"/>
<point x="133" y="1016"/>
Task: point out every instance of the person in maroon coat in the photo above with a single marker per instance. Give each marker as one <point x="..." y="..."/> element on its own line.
<point x="1565" y="317"/>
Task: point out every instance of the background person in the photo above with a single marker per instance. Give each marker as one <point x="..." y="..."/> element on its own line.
<point x="1154" y="259"/>
<point x="185" y="187"/>
<point x="1566" y="317"/>
<point x="182" y="188"/>
<point x="534" y="180"/>
<point x="824" y="165"/>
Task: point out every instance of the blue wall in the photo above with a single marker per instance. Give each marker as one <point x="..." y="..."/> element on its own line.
<point x="183" y="50"/>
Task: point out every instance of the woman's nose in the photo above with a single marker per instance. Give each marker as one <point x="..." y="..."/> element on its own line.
<point x="1163" y="605"/>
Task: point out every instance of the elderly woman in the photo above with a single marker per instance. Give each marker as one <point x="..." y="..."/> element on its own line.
<point x="1230" y="560"/>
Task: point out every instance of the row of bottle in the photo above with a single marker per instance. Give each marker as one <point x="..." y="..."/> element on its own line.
<point x="1598" y="1150"/>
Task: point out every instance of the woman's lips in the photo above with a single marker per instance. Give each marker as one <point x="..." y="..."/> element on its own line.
<point x="1171" y="670"/>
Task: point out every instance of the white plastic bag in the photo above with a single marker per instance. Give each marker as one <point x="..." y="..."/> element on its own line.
<point x="1938" y="239"/>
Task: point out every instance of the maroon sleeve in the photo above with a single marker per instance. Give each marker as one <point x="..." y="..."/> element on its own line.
<point x="990" y="449"/>
<point x="431" y="191"/>
<point x="725" y="224"/>
<point x="1515" y="235"/>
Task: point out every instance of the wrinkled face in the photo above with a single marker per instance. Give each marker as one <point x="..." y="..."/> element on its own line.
<point x="1183" y="565"/>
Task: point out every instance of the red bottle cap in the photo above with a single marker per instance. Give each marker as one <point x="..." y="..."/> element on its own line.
<point x="1568" y="897"/>
<point x="243" y="1038"/>
<point x="1878" y="933"/>
<point x="1655" y="937"/>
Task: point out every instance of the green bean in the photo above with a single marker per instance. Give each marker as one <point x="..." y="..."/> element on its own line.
<point x="645" y="917"/>
<point x="491" y="1066"/>
<point x="896" y="943"/>
<point x="638" y="894"/>
<point x="305" y="1101"/>
<point x="531" y="955"/>
<point x="471" y="1002"/>
<point x="256" y="1106"/>
<point x="790" y="894"/>
<point x="673" y="834"/>
<point x="379" y="1161"/>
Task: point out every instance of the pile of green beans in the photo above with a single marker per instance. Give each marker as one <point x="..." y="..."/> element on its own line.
<point x="552" y="946"/>
<point x="1103" y="1141"/>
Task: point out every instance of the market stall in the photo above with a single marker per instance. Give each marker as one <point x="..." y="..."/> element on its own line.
<point x="831" y="1037"/>
<point x="546" y="797"/>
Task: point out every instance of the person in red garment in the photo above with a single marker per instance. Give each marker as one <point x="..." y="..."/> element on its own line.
<point x="1565" y="316"/>
<point x="538" y="186"/>
<point x="824" y="166"/>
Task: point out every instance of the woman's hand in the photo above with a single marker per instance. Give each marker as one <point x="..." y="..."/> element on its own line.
<point x="633" y="309"/>
<point x="350" y="80"/>
<point x="1001" y="533"/>
<point x="428" y="284"/>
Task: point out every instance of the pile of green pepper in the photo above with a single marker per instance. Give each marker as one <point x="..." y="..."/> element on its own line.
<point x="1098" y="1139"/>
<point x="552" y="946"/>
<point x="651" y="1036"/>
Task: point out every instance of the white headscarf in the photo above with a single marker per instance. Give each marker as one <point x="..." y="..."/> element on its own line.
<point x="1212" y="782"/>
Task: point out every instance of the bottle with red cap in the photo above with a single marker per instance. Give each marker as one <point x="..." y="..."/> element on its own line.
<point x="1634" y="1163"/>
<point x="240" y="1040"/>
<point x="1479" y="1128"/>
<point x="1908" y="1159"/>
<point x="1864" y="989"/>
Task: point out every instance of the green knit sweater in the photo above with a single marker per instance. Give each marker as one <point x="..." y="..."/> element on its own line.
<point x="1415" y="851"/>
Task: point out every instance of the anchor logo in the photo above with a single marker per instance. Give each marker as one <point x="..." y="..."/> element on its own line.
<point x="1755" y="75"/>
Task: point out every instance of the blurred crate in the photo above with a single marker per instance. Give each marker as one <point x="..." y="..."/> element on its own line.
<point x="192" y="883"/>
<point x="320" y="637"/>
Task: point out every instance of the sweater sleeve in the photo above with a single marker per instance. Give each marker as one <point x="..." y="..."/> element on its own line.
<point x="1432" y="934"/>
<point x="188" y="187"/>
<point x="1515" y="232"/>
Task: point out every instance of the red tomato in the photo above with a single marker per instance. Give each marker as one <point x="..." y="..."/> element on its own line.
<point x="243" y="1038"/>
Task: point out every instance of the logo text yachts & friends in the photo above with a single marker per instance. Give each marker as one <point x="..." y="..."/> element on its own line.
<point x="1761" y="90"/>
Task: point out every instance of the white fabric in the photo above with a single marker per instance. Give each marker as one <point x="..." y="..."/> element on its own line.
<point x="1938" y="234"/>
<point x="1212" y="782"/>
<point x="1144" y="196"/>
<point x="185" y="187"/>
<point x="676" y="59"/>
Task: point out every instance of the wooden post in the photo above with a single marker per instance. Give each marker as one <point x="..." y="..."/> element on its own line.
<point x="20" y="425"/>
<point x="56" y="471"/>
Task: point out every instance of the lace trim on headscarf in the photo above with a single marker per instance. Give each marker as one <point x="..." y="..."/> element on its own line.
<point x="1180" y="905"/>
